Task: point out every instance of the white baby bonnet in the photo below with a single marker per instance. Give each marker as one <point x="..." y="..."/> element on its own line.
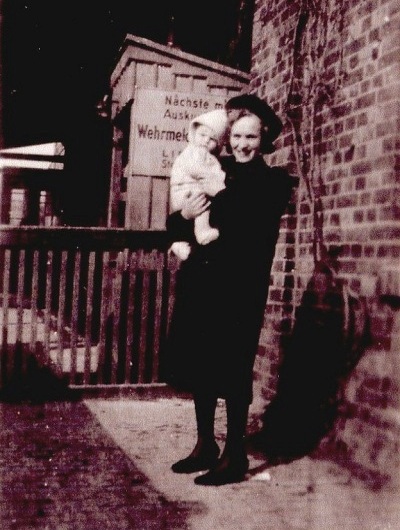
<point x="216" y="119"/>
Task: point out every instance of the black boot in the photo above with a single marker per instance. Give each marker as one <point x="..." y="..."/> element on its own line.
<point x="233" y="464"/>
<point x="229" y="469"/>
<point x="206" y="452"/>
<point x="204" y="456"/>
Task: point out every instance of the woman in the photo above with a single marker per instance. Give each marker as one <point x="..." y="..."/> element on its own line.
<point x="222" y="289"/>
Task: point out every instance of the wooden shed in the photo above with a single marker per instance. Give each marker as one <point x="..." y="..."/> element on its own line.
<point x="30" y="179"/>
<point x="156" y="90"/>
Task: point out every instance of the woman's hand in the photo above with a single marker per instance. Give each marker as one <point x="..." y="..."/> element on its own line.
<point x="194" y="205"/>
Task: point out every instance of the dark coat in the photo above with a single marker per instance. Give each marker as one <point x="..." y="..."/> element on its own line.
<point x="222" y="287"/>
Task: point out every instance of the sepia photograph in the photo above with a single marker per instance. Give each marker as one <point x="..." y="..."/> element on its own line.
<point x="200" y="265"/>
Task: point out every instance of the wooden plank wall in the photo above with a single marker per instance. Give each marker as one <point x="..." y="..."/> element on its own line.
<point x="144" y="64"/>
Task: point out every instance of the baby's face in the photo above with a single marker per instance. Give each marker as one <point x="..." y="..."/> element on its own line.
<point x="204" y="136"/>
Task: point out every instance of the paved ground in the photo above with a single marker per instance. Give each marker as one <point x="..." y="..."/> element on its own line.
<point x="100" y="464"/>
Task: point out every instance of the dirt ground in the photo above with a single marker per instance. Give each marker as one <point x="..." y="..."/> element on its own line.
<point x="102" y="464"/>
<point x="306" y="494"/>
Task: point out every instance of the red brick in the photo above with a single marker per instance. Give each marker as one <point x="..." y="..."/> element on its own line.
<point x="348" y="267"/>
<point x="388" y="93"/>
<point x="385" y="162"/>
<point x="354" y="77"/>
<point x="378" y="81"/>
<point x="382" y="196"/>
<point x="382" y="129"/>
<point x="361" y="168"/>
<point x="362" y="119"/>
<point x="388" y="251"/>
<point x="342" y="109"/>
<point x="369" y="251"/>
<point x="385" y="233"/>
<point x="358" y="216"/>
<point x="389" y="59"/>
<point x="389" y="144"/>
<point x="349" y="154"/>
<point x="346" y="140"/>
<point x="335" y="219"/>
<point x="337" y="157"/>
<point x="365" y="8"/>
<point x="354" y="61"/>
<point x="350" y="123"/>
<point x="355" y="46"/>
<point x="365" y="101"/>
<point x="365" y="199"/>
<point x="360" y="183"/>
<point x="365" y="86"/>
<point x="366" y="25"/>
<point x="339" y="127"/>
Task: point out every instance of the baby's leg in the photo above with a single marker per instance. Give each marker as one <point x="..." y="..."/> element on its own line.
<point x="181" y="249"/>
<point x="180" y="192"/>
<point x="203" y="231"/>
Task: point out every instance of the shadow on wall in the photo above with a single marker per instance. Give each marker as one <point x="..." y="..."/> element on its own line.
<point x="330" y="333"/>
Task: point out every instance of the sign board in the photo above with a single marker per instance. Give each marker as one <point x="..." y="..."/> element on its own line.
<point x="160" y="121"/>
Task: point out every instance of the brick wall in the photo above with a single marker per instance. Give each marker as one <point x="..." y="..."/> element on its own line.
<point x="333" y="75"/>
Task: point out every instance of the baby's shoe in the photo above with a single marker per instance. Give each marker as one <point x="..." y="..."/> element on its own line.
<point x="181" y="249"/>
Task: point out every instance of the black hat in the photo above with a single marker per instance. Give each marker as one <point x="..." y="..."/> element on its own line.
<point x="257" y="106"/>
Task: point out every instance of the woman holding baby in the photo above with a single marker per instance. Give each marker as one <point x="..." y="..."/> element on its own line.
<point x="222" y="288"/>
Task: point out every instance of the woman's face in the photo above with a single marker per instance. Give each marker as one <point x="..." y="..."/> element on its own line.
<point x="245" y="138"/>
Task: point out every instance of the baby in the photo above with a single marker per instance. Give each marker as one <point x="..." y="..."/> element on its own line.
<point x="195" y="164"/>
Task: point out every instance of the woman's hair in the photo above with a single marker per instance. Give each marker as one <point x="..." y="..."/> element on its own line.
<point x="250" y="105"/>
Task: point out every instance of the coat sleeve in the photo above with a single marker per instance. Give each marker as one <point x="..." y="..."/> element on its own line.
<point x="179" y="228"/>
<point x="286" y="183"/>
